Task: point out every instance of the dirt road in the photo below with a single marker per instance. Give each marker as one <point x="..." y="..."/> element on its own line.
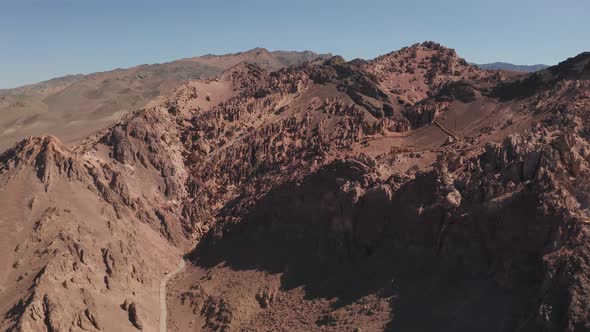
<point x="163" y="283"/>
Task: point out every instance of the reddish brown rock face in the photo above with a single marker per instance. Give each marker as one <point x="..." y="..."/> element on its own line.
<point x="410" y="192"/>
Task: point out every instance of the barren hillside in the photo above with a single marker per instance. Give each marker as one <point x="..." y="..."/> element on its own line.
<point x="73" y="107"/>
<point x="412" y="192"/>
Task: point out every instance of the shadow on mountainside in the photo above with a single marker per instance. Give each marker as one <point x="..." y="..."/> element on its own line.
<point x="574" y="68"/>
<point x="345" y="244"/>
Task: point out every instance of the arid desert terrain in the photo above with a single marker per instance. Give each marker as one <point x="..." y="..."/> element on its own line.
<point x="295" y="191"/>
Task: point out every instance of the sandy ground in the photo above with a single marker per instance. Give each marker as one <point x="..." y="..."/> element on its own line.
<point x="163" y="285"/>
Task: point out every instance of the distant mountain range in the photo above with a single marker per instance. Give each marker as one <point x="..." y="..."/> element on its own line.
<point x="74" y="106"/>
<point x="511" y="67"/>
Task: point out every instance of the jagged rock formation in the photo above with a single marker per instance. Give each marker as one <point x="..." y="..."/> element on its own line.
<point x="319" y="197"/>
<point x="418" y="71"/>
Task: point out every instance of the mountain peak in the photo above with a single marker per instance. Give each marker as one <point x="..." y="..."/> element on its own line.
<point x="421" y="55"/>
<point x="431" y="45"/>
<point x="417" y="71"/>
<point x="257" y="51"/>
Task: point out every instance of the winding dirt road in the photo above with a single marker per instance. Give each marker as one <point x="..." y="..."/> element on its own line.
<point x="163" y="283"/>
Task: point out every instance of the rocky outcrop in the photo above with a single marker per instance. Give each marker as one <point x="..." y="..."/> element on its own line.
<point x="134" y="317"/>
<point x="47" y="156"/>
<point x="416" y="72"/>
<point x="425" y="112"/>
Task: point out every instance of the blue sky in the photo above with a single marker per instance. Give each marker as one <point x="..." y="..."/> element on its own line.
<point x="49" y="38"/>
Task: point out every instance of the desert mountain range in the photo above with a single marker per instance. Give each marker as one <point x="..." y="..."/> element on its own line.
<point x="511" y="67"/>
<point x="410" y="192"/>
<point x="75" y="106"/>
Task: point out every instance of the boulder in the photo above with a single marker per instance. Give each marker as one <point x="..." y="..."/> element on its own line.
<point x="453" y="199"/>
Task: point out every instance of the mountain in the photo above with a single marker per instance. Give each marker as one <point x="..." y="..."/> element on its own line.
<point x="511" y="67"/>
<point x="410" y="192"/>
<point x="72" y="107"/>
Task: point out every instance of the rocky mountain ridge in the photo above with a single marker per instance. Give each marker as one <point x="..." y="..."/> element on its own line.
<point x="410" y="192"/>
<point x="73" y="107"/>
<point x="511" y="67"/>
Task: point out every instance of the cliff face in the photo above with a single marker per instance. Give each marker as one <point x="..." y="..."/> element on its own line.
<point x="318" y="190"/>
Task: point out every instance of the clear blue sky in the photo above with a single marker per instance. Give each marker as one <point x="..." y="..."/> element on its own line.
<point x="49" y="38"/>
